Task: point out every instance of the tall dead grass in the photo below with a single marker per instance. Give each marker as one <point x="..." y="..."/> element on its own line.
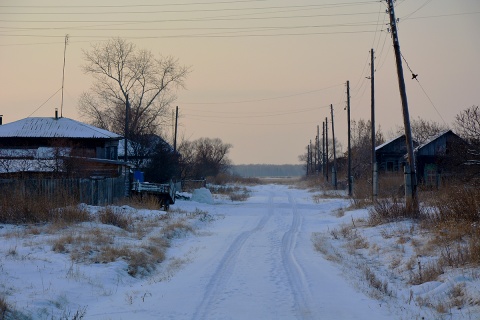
<point x="451" y="215"/>
<point x="141" y="202"/>
<point x="454" y="220"/>
<point x="115" y="216"/>
<point x="18" y="206"/>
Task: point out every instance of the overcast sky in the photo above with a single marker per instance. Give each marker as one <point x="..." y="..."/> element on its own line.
<point x="264" y="72"/>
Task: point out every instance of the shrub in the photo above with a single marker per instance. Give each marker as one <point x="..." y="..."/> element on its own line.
<point x="458" y="203"/>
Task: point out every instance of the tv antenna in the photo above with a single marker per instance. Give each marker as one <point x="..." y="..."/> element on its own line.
<point x="63" y="77"/>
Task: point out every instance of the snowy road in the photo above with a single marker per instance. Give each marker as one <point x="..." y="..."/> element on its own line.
<point x="255" y="261"/>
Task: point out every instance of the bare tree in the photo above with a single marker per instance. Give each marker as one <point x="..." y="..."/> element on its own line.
<point x="361" y="142"/>
<point x="204" y="157"/>
<point x="423" y="130"/>
<point x="123" y="73"/>
<point x="467" y="124"/>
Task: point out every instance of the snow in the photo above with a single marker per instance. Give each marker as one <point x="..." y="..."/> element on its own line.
<point x="255" y="259"/>
<point x="45" y="127"/>
<point x="202" y="195"/>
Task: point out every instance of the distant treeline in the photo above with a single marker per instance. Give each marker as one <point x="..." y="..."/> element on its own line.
<point x="268" y="170"/>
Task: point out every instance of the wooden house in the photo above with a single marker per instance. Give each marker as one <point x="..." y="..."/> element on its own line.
<point x="390" y="155"/>
<point x="439" y="156"/>
<point x="58" y="146"/>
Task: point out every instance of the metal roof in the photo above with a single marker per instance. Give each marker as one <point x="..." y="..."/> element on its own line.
<point x="44" y="127"/>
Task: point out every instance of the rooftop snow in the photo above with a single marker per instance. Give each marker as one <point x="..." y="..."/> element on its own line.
<point x="43" y="127"/>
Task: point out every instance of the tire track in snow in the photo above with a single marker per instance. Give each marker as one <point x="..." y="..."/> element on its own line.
<point x="296" y="276"/>
<point x="227" y="264"/>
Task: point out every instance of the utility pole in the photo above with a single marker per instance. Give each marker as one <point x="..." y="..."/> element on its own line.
<point x="372" y="122"/>
<point x="349" y="173"/>
<point x="63" y="76"/>
<point x="314" y="154"/>
<point x="326" y="148"/>
<point x="127" y="173"/>
<point x="334" y="169"/>
<point x="175" y="137"/>
<point x="318" y="150"/>
<point x="308" y="159"/>
<point x="410" y="170"/>
<point x="127" y="111"/>
<point x="323" y="148"/>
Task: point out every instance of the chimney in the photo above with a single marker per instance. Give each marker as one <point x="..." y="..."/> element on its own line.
<point x="56" y="113"/>
<point x="1" y="119"/>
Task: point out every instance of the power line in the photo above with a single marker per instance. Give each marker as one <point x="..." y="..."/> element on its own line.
<point x="202" y="19"/>
<point x="303" y="7"/>
<point x="264" y="99"/>
<point x="89" y="28"/>
<point x="419" y="8"/>
<point x="250" y="115"/>
<point x="256" y="124"/>
<point x="415" y="76"/>
<point x="166" y="5"/>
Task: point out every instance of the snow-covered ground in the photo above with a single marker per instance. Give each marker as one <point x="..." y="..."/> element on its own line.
<point x="282" y="254"/>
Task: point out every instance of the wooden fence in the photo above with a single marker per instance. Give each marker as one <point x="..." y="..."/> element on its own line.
<point x="90" y="191"/>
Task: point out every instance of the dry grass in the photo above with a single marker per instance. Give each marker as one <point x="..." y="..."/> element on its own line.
<point x="362" y="194"/>
<point x="141" y="202"/>
<point x="233" y="192"/>
<point x="390" y="210"/>
<point x="116" y="217"/>
<point x="381" y="287"/>
<point x="176" y="229"/>
<point x="20" y="206"/>
<point x="16" y="207"/>
<point x="225" y="178"/>
<point x="391" y="185"/>
<point x="426" y="272"/>
<point x="4" y="308"/>
<point x="454" y="221"/>
<point x="101" y="246"/>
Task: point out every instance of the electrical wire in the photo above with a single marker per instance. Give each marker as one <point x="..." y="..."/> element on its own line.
<point x="303" y="7"/>
<point x="45" y="102"/>
<point x="419" y="8"/>
<point x="263" y="99"/>
<point x="415" y="76"/>
<point x="202" y="19"/>
<point x="169" y="4"/>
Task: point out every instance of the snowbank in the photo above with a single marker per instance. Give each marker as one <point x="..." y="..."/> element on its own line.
<point x="202" y="195"/>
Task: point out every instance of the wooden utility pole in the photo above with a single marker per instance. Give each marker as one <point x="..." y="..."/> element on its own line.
<point x="175" y="137"/>
<point x="127" y="111"/>
<point x="318" y="150"/>
<point x="326" y="148"/>
<point x="372" y="122"/>
<point x="410" y="170"/>
<point x="308" y="160"/>
<point x="127" y="172"/>
<point x="334" y="169"/>
<point x="349" y="173"/>
<point x="323" y="148"/>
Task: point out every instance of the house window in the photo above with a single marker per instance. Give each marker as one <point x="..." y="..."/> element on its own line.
<point x="389" y="166"/>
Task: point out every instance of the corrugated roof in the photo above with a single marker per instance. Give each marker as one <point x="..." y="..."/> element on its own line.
<point x="433" y="138"/>
<point x="42" y="127"/>
<point x="388" y="142"/>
